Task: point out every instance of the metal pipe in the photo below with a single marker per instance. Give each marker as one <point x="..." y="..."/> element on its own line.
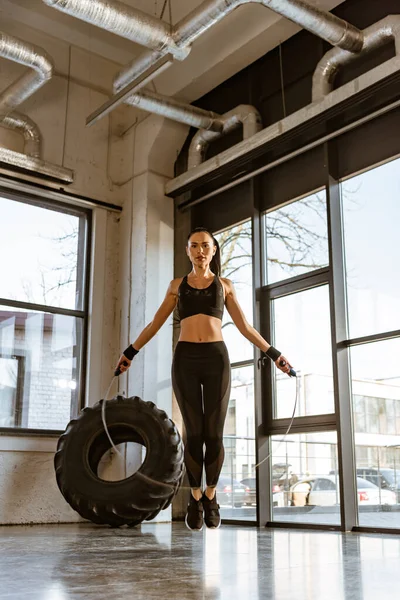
<point x="244" y="115"/>
<point x="361" y="87"/>
<point x="177" y="111"/>
<point x="31" y="56"/>
<point x="375" y="37"/>
<point x="154" y="33"/>
<point x="42" y="67"/>
<point x="326" y="138"/>
<point x="324" y="24"/>
<point x="34" y="166"/>
<point x="30" y="131"/>
<point x="123" y="20"/>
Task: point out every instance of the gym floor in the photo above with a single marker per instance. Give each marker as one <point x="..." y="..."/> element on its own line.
<point x="64" y="562"/>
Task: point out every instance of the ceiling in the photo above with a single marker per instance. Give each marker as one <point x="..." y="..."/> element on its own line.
<point x="238" y="40"/>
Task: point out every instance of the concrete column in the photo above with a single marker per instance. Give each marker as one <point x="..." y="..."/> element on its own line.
<point x="147" y="262"/>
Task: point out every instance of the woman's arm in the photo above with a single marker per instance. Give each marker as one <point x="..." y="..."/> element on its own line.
<point x="244" y="327"/>
<point x="152" y="328"/>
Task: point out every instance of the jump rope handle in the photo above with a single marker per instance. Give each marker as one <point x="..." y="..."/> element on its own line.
<point x="117" y="371"/>
<point x="282" y="363"/>
<point x="292" y="372"/>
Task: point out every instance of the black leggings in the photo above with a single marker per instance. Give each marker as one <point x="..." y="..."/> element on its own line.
<point x="201" y="378"/>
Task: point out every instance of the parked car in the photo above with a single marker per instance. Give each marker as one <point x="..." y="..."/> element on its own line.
<point x="278" y="495"/>
<point x="324" y="491"/>
<point x="230" y="492"/>
<point x="384" y="478"/>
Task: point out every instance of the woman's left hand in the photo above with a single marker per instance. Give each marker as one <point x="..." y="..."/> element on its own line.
<point x="283" y="364"/>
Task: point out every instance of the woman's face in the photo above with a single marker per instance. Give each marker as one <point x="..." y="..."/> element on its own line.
<point x="200" y="249"/>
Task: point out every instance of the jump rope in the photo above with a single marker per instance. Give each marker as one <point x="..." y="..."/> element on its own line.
<point x="117" y="373"/>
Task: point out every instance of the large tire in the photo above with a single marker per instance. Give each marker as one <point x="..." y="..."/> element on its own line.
<point x="132" y="500"/>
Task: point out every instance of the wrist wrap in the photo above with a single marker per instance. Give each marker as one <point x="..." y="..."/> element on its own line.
<point x="273" y="353"/>
<point x="130" y="352"/>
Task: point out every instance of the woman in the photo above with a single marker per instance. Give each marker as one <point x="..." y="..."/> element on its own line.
<point x="201" y="367"/>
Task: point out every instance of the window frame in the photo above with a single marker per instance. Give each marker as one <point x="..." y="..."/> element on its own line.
<point x="84" y="269"/>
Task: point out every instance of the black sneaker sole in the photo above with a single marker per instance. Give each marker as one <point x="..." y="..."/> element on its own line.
<point x="190" y="528"/>
<point x="214" y="526"/>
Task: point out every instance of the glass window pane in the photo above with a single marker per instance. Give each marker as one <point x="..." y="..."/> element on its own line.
<point x="296" y="238"/>
<point x="302" y="332"/>
<point x="236" y="487"/>
<point x="236" y="263"/>
<point x="305" y="481"/>
<point x="371" y="212"/>
<point x="39" y="368"/>
<point x="44" y="268"/>
<point x="375" y="374"/>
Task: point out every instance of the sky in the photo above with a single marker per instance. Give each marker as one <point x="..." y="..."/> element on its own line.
<point x="29" y="249"/>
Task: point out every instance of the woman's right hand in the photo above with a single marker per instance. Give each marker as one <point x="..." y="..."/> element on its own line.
<point x="123" y="365"/>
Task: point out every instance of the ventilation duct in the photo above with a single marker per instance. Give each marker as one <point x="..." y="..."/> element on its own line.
<point x="297" y="125"/>
<point x="34" y="166"/>
<point x="375" y="37"/>
<point x="162" y="39"/>
<point x="30" y="131"/>
<point x="323" y="24"/>
<point x="123" y="20"/>
<point x="41" y="71"/>
<point x="243" y="115"/>
<point x="177" y="111"/>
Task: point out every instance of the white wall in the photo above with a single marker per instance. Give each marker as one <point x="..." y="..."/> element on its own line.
<point x="132" y="253"/>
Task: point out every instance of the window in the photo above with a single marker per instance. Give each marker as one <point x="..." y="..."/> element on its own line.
<point x="371" y="212"/>
<point x="237" y="486"/>
<point x="296" y="238"/>
<point x="42" y="316"/>
<point x="236" y="265"/>
<point x="295" y="311"/>
<point x="301" y="328"/>
<point x="376" y="407"/>
<point x="300" y="494"/>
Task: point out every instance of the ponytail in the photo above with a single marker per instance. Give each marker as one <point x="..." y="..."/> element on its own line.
<point x="215" y="264"/>
<point x="216" y="261"/>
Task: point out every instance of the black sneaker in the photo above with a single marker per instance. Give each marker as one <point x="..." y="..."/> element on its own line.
<point x="194" y="515"/>
<point x="211" y="512"/>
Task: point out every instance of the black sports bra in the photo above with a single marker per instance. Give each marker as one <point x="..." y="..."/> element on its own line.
<point x="208" y="301"/>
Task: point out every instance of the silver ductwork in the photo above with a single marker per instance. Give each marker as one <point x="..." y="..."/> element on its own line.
<point x="34" y="166"/>
<point x="296" y="123"/>
<point x="177" y="111"/>
<point x="154" y="33"/>
<point x="41" y="66"/>
<point x="324" y="24"/>
<point x="123" y="20"/>
<point x="36" y="59"/>
<point x="320" y="22"/>
<point x="243" y="115"/>
<point x="30" y="131"/>
<point x="376" y="36"/>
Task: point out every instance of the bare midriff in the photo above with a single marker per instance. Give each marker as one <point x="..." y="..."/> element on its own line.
<point x="201" y="329"/>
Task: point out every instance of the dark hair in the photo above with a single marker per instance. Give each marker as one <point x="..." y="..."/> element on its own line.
<point x="215" y="264"/>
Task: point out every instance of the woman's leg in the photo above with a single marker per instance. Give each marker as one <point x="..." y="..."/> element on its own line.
<point x="187" y="388"/>
<point x="216" y="392"/>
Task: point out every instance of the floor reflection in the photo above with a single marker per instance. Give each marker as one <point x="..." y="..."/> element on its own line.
<point x="168" y="561"/>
